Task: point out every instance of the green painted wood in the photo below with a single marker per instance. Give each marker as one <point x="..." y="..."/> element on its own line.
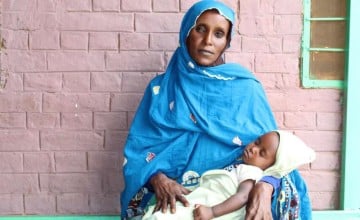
<point x="350" y="190"/>
<point x="306" y="81"/>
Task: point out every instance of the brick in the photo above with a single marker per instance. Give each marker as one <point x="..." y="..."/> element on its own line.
<point x="322" y="140"/>
<point x="76" y="81"/>
<point x="166" y="5"/>
<point x="256" y="7"/>
<point x="329" y="121"/>
<point x="11" y="204"/>
<point x="324" y="200"/>
<point x="44" y="39"/>
<point x="270" y="80"/>
<point x="321" y="181"/>
<point x="78" y="5"/>
<point x="43" y="120"/>
<point x="19" y="140"/>
<point x="131" y="116"/>
<point x="33" y="61"/>
<point x="250" y="25"/>
<point x="134" y="41"/>
<point x="11" y="81"/>
<point x="286" y="7"/>
<point x="288" y="24"/>
<point x="38" y="162"/>
<point x="74" y="40"/>
<point x="73" y="203"/>
<point x="185" y="5"/>
<point x="235" y="43"/>
<point x="327" y="161"/>
<point x="70" y="183"/>
<point x="47" y="5"/>
<point x="104" y="161"/>
<point x="104" y="41"/>
<point x="109" y="5"/>
<point x="136" y="5"/>
<point x="164" y="41"/>
<point x="134" y="61"/>
<point x="40" y="204"/>
<point x="157" y="22"/>
<point x="75" y="61"/>
<point x="43" y="82"/>
<point x="76" y="102"/>
<point x="11" y="162"/>
<point x="256" y="44"/>
<point x="18" y="5"/>
<point x="96" y="21"/>
<point x="12" y="120"/>
<point x="113" y="182"/>
<point x="292" y="44"/>
<point x="115" y="140"/>
<point x="70" y="161"/>
<point x="71" y="140"/>
<point x="106" y="81"/>
<point x="276" y="63"/>
<point x="19" y="183"/>
<point x="125" y="102"/>
<point x="29" y="20"/>
<point x="300" y="120"/>
<point x="245" y="59"/>
<point x="104" y="203"/>
<point x="78" y="121"/>
<point x="20" y="102"/>
<point x="106" y="121"/>
<point x="136" y="82"/>
<point x="15" y="39"/>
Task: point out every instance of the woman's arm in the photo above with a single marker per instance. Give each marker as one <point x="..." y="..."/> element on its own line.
<point x="168" y="191"/>
<point x="233" y="203"/>
<point x="259" y="203"/>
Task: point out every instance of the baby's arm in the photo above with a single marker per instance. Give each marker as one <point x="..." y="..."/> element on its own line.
<point x="233" y="203"/>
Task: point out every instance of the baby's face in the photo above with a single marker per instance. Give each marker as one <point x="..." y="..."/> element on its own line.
<point x="262" y="152"/>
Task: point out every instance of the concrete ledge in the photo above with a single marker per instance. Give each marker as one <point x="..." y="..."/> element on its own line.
<point x="317" y="215"/>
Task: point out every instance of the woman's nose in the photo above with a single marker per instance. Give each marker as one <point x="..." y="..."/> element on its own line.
<point x="208" y="38"/>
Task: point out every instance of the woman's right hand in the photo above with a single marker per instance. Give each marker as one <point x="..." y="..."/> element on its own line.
<point x="167" y="192"/>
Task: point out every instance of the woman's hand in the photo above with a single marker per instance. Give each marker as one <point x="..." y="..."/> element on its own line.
<point x="202" y="212"/>
<point x="258" y="206"/>
<point x="168" y="191"/>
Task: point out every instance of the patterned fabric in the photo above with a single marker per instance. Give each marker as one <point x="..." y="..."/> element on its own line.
<point x="291" y="201"/>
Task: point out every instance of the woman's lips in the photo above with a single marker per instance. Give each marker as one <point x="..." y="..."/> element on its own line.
<point x="206" y="52"/>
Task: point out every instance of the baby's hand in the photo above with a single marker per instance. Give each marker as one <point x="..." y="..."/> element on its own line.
<point x="202" y="212"/>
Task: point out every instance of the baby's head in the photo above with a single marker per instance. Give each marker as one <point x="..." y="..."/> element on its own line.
<point x="278" y="153"/>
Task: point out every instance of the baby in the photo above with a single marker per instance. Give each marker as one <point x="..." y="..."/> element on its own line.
<point x="223" y="195"/>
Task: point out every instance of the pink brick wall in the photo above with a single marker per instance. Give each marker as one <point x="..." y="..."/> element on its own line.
<point x="72" y="75"/>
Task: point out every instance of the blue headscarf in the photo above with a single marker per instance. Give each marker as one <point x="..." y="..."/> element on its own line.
<point x="193" y="118"/>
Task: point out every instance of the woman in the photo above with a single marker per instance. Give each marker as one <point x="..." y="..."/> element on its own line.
<point x="198" y="115"/>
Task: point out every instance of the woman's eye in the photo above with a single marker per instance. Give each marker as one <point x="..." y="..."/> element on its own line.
<point x="219" y="34"/>
<point x="200" y="29"/>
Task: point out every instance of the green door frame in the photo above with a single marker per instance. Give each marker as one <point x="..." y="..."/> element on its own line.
<point x="350" y="191"/>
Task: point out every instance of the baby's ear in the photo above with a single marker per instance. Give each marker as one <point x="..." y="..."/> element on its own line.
<point x="291" y="153"/>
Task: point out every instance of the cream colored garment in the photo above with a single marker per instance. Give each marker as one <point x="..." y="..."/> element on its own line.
<point x="291" y="153"/>
<point x="215" y="187"/>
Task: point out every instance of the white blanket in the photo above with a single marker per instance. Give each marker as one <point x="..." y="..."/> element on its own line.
<point x="215" y="187"/>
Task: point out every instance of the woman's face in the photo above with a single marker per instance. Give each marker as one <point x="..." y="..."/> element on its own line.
<point x="209" y="38"/>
